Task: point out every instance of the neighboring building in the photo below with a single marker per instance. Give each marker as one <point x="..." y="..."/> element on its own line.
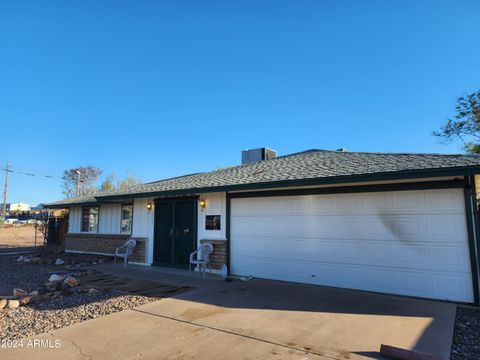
<point x="18" y="207"/>
<point x="394" y="223"/>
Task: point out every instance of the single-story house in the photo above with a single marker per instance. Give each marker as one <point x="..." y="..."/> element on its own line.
<point x="395" y="223"/>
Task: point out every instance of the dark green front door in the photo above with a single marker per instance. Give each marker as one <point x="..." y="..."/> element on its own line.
<point x="175" y="231"/>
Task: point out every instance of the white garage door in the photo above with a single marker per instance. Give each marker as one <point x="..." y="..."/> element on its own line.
<point x="404" y="242"/>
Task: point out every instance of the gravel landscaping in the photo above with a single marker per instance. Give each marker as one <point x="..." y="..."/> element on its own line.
<point x="53" y="313"/>
<point x="466" y="338"/>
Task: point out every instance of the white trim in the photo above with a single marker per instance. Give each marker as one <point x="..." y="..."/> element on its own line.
<point x="360" y="183"/>
<point x="139" y="263"/>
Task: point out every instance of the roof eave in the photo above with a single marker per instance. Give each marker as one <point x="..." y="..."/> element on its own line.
<point x="389" y="175"/>
<point x="67" y="206"/>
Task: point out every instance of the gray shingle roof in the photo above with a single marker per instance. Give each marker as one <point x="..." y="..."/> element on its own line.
<point x="321" y="165"/>
<point x="88" y="199"/>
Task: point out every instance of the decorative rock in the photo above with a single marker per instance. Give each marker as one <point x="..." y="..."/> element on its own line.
<point x="78" y="289"/>
<point x="20" y="259"/>
<point x="19" y="292"/>
<point x="55" y="277"/>
<point x="71" y="281"/>
<point x="53" y="285"/>
<point x="33" y="293"/>
<point x="52" y="295"/>
<point x="101" y="261"/>
<point x="59" y="262"/>
<point x="13" y="304"/>
<point x="24" y="300"/>
<point x="3" y="303"/>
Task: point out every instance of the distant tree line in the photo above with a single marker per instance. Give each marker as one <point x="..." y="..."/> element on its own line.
<point x="85" y="180"/>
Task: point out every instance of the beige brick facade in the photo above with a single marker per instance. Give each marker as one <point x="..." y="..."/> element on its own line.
<point x="219" y="255"/>
<point x="105" y="244"/>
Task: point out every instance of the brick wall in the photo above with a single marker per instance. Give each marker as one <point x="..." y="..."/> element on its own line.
<point x="105" y="244"/>
<point x="219" y="255"/>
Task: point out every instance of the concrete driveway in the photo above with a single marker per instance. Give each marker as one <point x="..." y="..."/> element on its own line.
<point x="252" y="320"/>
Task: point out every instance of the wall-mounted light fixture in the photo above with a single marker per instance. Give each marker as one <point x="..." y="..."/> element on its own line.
<point x="202" y="203"/>
<point x="149" y="206"/>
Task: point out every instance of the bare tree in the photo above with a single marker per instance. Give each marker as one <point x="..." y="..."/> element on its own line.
<point x="465" y="126"/>
<point x="111" y="182"/>
<point x="82" y="178"/>
<point x="128" y="182"/>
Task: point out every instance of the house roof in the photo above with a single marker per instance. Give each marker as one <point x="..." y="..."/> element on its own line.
<point x="305" y="168"/>
<point x="82" y="200"/>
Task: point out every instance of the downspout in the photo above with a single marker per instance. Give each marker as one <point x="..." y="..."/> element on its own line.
<point x="227" y="230"/>
<point x="471" y="208"/>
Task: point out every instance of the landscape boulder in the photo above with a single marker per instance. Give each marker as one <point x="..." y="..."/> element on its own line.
<point x="52" y="285"/>
<point x="19" y="292"/>
<point x="55" y="277"/>
<point x="13" y="304"/>
<point x="71" y="281"/>
<point x="3" y="303"/>
<point x="24" y="300"/>
<point x="20" y="259"/>
<point x="59" y="262"/>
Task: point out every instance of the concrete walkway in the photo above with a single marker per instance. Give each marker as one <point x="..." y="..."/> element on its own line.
<point x="252" y="320"/>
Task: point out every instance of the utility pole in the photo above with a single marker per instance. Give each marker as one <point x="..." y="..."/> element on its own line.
<point x="78" y="183"/>
<point x="5" y="191"/>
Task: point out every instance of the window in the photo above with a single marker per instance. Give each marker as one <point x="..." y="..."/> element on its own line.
<point x="127" y="213"/>
<point x="89" y="219"/>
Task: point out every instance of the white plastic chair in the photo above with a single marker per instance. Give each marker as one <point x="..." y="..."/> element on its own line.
<point x="202" y="258"/>
<point x="125" y="251"/>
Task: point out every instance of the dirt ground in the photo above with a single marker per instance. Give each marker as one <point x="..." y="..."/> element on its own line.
<point x="13" y="237"/>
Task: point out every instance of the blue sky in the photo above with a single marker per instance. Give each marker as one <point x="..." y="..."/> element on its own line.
<point x="163" y="88"/>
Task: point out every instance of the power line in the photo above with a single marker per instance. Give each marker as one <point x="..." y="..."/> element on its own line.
<point x="30" y="174"/>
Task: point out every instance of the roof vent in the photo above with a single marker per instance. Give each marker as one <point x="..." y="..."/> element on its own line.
<point x="249" y="156"/>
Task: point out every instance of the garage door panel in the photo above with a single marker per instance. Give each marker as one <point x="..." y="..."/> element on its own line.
<point x="281" y="248"/>
<point x="443" y="201"/>
<point x="409" y="228"/>
<point x="377" y="202"/>
<point x="327" y="205"/>
<point x="349" y="227"/>
<point x="352" y="203"/>
<point x="412" y="256"/>
<point x="403" y="242"/>
<point x="378" y="227"/>
<point x="312" y="226"/>
<point x="446" y="228"/>
<point x="454" y="258"/>
<point x="451" y="286"/>
<point x="379" y="253"/>
<point x="416" y="283"/>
